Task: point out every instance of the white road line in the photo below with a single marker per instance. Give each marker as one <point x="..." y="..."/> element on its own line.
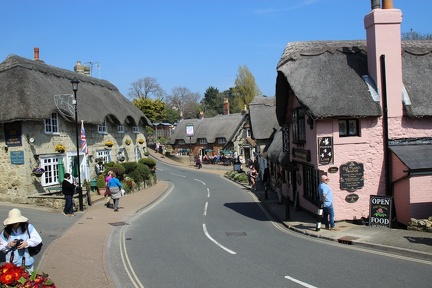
<point x="205" y="208"/>
<point x="200" y="181"/>
<point x="177" y="175"/>
<point x="208" y="193"/>
<point x="299" y="282"/>
<point x="217" y="243"/>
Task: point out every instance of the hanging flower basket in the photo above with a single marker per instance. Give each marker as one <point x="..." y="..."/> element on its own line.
<point x="127" y="142"/>
<point x="140" y="141"/>
<point x="60" y="148"/>
<point x="109" y="143"/>
<point x="38" y="171"/>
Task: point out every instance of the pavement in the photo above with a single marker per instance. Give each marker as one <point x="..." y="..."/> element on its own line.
<point x="78" y="257"/>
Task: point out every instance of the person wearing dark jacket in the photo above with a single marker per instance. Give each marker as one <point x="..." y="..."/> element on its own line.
<point x="68" y="190"/>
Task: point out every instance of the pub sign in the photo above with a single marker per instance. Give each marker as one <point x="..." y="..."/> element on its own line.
<point x="325" y="150"/>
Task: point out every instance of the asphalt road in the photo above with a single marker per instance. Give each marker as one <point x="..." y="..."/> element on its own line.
<point x="210" y="232"/>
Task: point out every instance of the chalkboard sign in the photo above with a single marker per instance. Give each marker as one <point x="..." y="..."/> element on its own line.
<point x="380" y="211"/>
<point x="351" y="176"/>
<point x="17" y="157"/>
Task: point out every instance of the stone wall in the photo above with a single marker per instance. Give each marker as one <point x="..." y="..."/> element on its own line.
<point x="422" y="225"/>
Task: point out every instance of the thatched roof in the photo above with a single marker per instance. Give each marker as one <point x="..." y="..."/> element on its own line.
<point x="28" y="88"/>
<point x="209" y="128"/>
<point x="262" y="111"/>
<point x="326" y="77"/>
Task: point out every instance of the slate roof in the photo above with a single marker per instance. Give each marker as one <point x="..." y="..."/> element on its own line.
<point x="326" y="77"/>
<point x="27" y="89"/>
<point x="415" y="157"/>
<point x="262" y="111"/>
<point x="209" y="128"/>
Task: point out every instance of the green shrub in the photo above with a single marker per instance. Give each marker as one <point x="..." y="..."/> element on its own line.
<point x="117" y="168"/>
<point x="140" y="174"/>
<point x="129" y="167"/>
<point x="148" y="161"/>
<point x="101" y="181"/>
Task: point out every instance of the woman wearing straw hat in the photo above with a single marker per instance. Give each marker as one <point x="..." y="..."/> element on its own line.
<point x="16" y="237"/>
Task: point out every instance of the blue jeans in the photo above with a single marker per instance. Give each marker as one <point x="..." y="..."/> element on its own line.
<point x="68" y="209"/>
<point x="328" y="212"/>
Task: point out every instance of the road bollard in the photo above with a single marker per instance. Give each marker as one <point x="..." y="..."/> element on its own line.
<point x="319" y="218"/>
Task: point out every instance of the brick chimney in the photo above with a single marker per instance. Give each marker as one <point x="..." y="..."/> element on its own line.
<point x="226" y="107"/>
<point x="383" y="36"/>
<point x="36" y="54"/>
<point x="82" y="69"/>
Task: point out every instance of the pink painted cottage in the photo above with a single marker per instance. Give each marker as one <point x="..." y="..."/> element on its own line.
<point x="361" y="113"/>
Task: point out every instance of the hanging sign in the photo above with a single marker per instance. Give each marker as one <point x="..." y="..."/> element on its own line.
<point x="285" y="139"/>
<point x="189" y="130"/>
<point x="325" y="150"/>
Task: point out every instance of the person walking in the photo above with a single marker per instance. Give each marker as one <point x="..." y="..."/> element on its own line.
<point x="16" y="237"/>
<point x="115" y="187"/>
<point x="68" y="190"/>
<point x="326" y="198"/>
<point x="107" y="191"/>
<point x="253" y="176"/>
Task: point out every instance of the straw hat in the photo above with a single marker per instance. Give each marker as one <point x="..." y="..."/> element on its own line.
<point x="15" y="217"/>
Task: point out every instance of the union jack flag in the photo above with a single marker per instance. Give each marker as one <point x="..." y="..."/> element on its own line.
<point x="84" y="147"/>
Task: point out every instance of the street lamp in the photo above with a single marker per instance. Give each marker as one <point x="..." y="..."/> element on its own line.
<point x="75" y="83"/>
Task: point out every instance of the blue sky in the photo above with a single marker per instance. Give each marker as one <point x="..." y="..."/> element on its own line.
<point x="183" y="43"/>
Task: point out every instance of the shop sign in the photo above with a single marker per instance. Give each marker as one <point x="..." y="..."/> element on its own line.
<point x="12" y="134"/>
<point x="16" y="157"/>
<point x="351" y="176"/>
<point x="380" y="211"/>
<point x="301" y="155"/>
<point x="351" y="198"/>
<point x="325" y="150"/>
<point x="285" y="139"/>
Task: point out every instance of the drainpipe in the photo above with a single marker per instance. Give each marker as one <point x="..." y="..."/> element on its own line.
<point x="385" y="127"/>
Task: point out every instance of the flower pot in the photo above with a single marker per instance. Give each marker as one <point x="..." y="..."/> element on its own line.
<point x="38" y="174"/>
<point x="101" y="191"/>
<point x="60" y="151"/>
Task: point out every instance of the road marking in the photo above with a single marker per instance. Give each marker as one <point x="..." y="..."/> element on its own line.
<point x="208" y="193"/>
<point x="205" y="208"/>
<point x="177" y="175"/>
<point x="215" y="242"/>
<point x="299" y="282"/>
<point x="200" y="181"/>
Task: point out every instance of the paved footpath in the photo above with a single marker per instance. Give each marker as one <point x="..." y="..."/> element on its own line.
<point x="77" y="259"/>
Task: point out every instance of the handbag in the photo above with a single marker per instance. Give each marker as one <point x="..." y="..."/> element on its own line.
<point x="34" y="250"/>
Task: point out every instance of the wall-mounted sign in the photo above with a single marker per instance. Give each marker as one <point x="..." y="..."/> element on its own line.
<point x="13" y="134"/>
<point x="189" y="130"/>
<point x="351" y="198"/>
<point x="325" y="150"/>
<point x="16" y="157"/>
<point x="285" y="139"/>
<point x="301" y="155"/>
<point x="380" y="211"/>
<point x="332" y="169"/>
<point x="351" y="176"/>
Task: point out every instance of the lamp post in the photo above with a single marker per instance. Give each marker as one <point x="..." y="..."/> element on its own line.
<point x="75" y="83"/>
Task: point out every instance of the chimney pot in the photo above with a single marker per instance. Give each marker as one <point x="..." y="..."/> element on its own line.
<point x="375" y="4"/>
<point x="387" y="4"/>
<point x="36" y="53"/>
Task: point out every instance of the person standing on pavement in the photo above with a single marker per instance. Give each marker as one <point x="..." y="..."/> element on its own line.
<point x="16" y="237"/>
<point x="68" y="190"/>
<point x="326" y="198"/>
<point x="107" y="191"/>
<point x="253" y="176"/>
<point x="115" y="187"/>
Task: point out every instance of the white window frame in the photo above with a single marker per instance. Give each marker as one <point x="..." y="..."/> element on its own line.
<point x="120" y="129"/>
<point x="104" y="154"/>
<point x="102" y="128"/>
<point x="135" y="129"/>
<point x="202" y="141"/>
<point x="221" y="140"/>
<point x="50" y="165"/>
<point x="52" y="124"/>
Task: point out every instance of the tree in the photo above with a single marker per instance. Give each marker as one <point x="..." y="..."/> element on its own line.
<point x="184" y="101"/>
<point x="145" y="88"/>
<point x="245" y="88"/>
<point x="154" y="110"/>
<point x="412" y="35"/>
<point x="212" y="103"/>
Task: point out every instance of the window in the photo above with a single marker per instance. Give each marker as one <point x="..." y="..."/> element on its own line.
<point x="50" y="165"/>
<point x="51" y="124"/>
<point x="299" y="126"/>
<point x="104" y="154"/>
<point x="348" y="127"/>
<point x="135" y="129"/>
<point x="248" y="132"/>
<point x="102" y="128"/>
<point x="120" y="129"/>
<point x="221" y="140"/>
<point x="311" y="182"/>
<point x="202" y="140"/>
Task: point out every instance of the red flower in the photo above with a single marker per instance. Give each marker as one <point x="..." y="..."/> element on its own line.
<point x="14" y="276"/>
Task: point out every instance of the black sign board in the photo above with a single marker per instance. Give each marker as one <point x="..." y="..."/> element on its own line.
<point x="351" y="198"/>
<point x="16" y="157"/>
<point x="332" y="169"/>
<point x="285" y="139"/>
<point x="13" y="134"/>
<point x="380" y="211"/>
<point x="301" y="155"/>
<point x="325" y="150"/>
<point x="351" y="176"/>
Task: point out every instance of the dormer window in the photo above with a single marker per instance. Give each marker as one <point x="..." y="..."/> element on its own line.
<point x="135" y="129"/>
<point x="120" y="129"/>
<point x="52" y="124"/>
<point x="202" y="140"/>
<point x="221" y="140"/>
<point x="102" y="128"/>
